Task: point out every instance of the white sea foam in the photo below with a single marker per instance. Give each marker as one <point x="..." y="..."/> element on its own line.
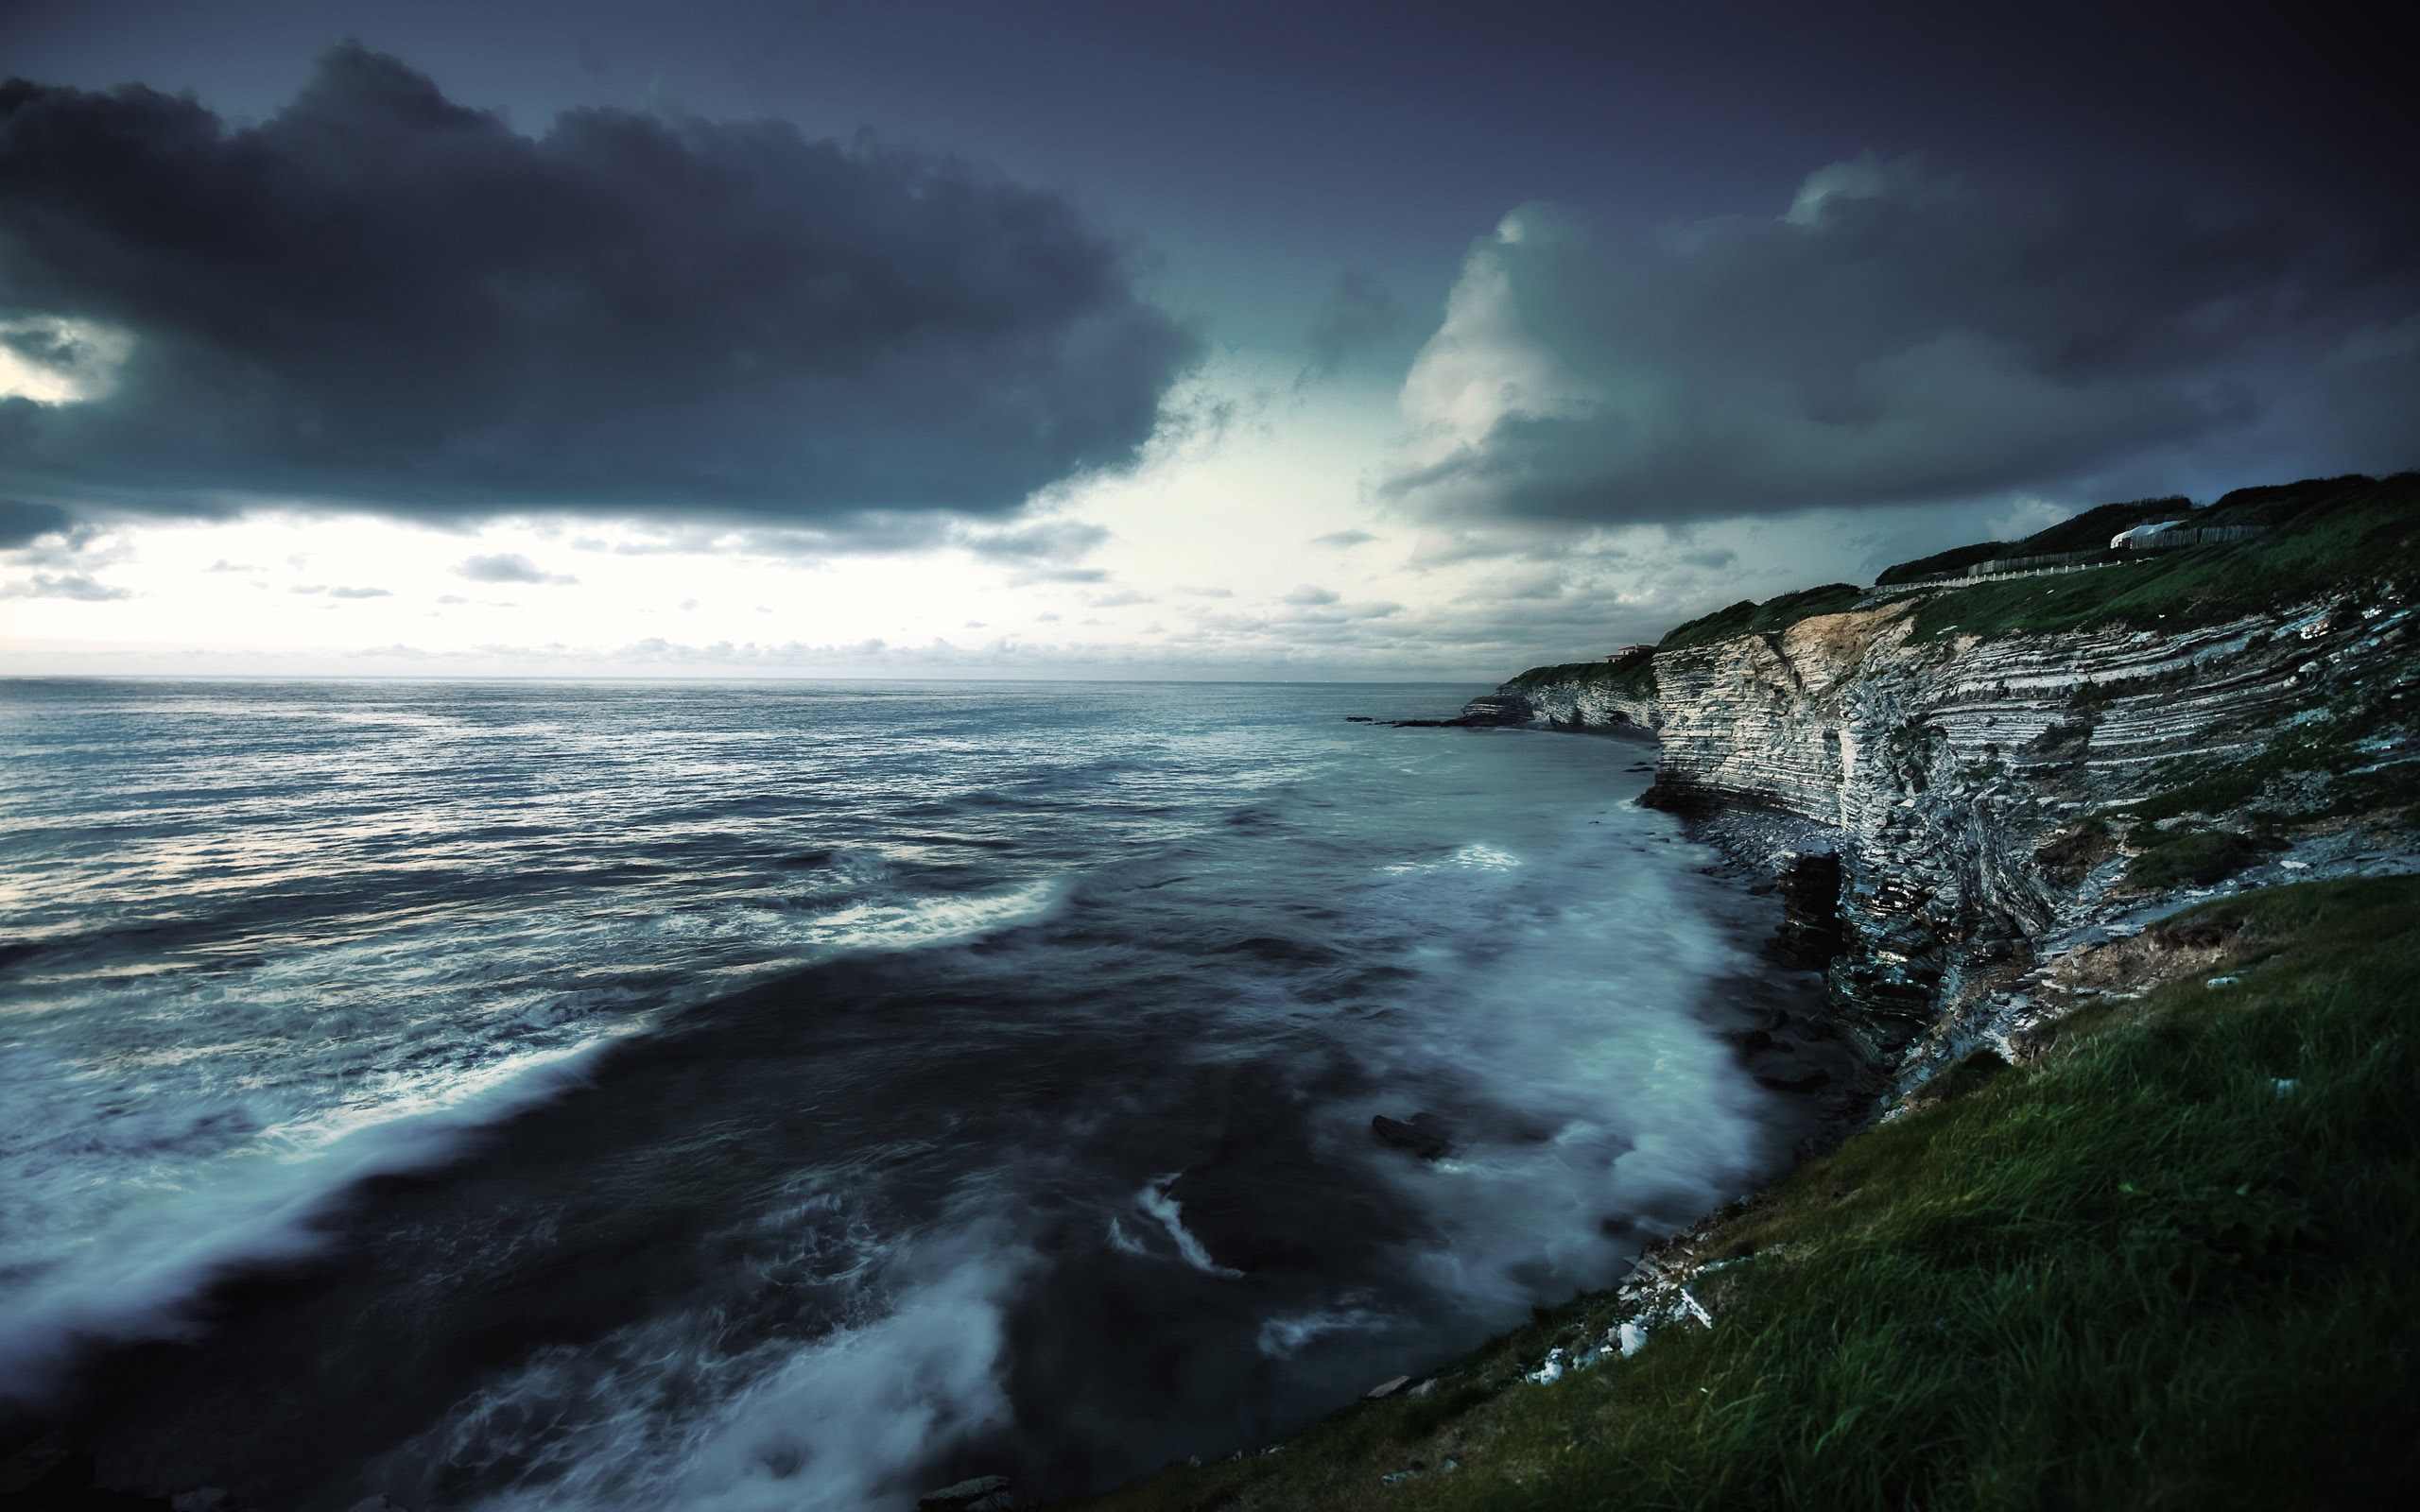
<point x="1472" y="857"/>
<point x="127" y="1277"/>
<point x="1169" y="1213"/>
<point x="1284" y="1337"/>
<point x="158" y="1129"/>
<point x="1554" y="1022"/>
<point x="669" y="1413"/>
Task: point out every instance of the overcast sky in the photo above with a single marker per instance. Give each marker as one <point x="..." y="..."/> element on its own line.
<point x="1305" y="340"/>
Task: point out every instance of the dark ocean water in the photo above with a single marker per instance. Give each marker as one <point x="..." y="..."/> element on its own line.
<point x="799" y="1096"/>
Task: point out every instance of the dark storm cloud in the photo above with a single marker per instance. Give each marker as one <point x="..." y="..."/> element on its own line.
<point x="21" y="522"/>
<point x="1896" y="337"/>
<point x="378" y="298"/>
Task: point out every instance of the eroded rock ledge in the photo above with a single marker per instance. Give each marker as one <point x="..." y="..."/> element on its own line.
<point x="1975" y="807"/>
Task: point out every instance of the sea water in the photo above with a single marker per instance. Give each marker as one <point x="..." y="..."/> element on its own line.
<point x="804" y="1094"/>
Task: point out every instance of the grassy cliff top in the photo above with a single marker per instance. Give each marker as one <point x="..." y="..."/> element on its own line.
<point x="2088" y="531"/>
<point x="2346" y="536"/>
<point x="1632" y="677"/>
<point x="2164" y="1264"/>
<point x="1771" y="617"/>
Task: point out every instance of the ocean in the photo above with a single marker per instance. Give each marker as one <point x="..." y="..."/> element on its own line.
<point x="799" y="1096"/>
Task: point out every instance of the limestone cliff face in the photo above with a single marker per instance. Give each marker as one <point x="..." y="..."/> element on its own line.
<point x="1958" y="780"/>
<point x="1568" y="703"/>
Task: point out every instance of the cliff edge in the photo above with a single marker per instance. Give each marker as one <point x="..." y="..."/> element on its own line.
<point x="2091" y="844"/>
<point x="1987" y="771"/>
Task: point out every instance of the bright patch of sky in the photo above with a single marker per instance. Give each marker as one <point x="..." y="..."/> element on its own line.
<point x="1248" y="543"/>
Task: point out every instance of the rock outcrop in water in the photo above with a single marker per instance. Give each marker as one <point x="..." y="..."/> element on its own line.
<point x="1972" y="803"/>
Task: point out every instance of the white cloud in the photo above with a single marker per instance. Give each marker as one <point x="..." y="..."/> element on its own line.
<point x="77" y="585"/>
<point x="52" y="360"/>
<point x="509" y="567"/>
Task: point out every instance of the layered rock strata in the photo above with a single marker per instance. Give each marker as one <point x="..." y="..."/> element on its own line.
<point x="1565" y="704"/>
<point x="1975" y="791"/>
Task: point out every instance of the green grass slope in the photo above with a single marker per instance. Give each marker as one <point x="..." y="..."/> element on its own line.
<point x="1633" y="677"/>
<point x="1771" y="617"/>
<point x="2164" y="1265"/>
<point x="2349" y="537"/>
<point x="2088" y="531"/>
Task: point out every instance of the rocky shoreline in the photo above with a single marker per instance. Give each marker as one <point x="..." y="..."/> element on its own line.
<point x="1935" y="818"/>
<point x="1947" y="820"/>
<point x="1982" y="812"/>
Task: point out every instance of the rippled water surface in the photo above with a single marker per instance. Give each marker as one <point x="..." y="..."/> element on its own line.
<point x="799" y="1096"/>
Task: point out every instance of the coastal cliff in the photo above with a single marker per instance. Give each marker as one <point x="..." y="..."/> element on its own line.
<point x="2100" y="863"/>
<point x="1997" y="773"/>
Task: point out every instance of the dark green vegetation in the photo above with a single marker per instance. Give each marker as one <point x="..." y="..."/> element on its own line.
<point x="2088" y="531"/>
<point x="1771" y="617"/>
<point x="2164" y="1265"/>
<point x="2341" y="537"/>
<point x="1633" y="677"/>
<point x="2195" y="858"/>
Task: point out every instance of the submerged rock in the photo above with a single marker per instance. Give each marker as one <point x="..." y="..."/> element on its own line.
<point x="33" y="1462"/>
<point x="1788" y="1073"/>
<point x="1422" y="1137"/>
<point x="984" y="1493"/>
